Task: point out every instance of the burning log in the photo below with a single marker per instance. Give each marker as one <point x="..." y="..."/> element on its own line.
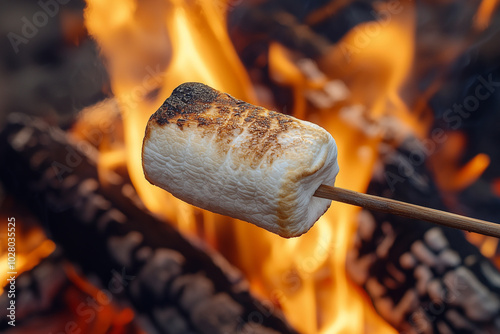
<point x="422" y="278"/>
<point x="53" y="298"/>
<point x="173" y="283"/>
<point x="36" y="290"/>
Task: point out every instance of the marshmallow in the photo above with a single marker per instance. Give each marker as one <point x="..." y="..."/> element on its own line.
<point x="233" y="158"/>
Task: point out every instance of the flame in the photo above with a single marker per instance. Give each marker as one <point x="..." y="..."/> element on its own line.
<point x="110" y="318"/>
<point x="373" y="74"/>
<point x="31" y="247"/>
<point x="153" y="46"/>
<point x="173" y="42"/>
<point x="484" y="13"/>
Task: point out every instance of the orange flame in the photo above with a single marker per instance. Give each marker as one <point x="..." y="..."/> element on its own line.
<point x="484" y="13"/>
<point x="30" y="249"/>
<point x="153" y="46"/>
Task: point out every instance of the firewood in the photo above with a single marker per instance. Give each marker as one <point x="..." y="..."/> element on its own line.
<point x="422" y="278"/>
<point x="272" y="170"/>
<point x="143" y="259"/>
<point x="37" y="291"/>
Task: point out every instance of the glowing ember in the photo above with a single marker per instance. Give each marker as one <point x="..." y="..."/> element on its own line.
<point x="31" y="248"/>
<point x="450" y="176"/>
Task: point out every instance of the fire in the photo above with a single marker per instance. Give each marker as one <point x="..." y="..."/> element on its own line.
<point x="484" y="13"/>
<point x="151" y="47"/>
<point x="167" y="33"/>
<point x="31" y="247"/>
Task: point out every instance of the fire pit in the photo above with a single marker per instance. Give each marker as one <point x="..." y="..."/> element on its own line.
<point x="409" y="91"/>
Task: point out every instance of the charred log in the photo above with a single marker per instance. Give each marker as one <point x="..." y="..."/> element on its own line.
<point x="178" y="286"/>
<point x="422" y="278"/>
<point x="37" y="291"/>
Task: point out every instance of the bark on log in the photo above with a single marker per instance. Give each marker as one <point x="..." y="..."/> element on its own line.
<point x="422" y="278"/>
<point x="178" y="286"/>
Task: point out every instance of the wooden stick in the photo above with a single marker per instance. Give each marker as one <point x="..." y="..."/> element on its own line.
<point x="409" y="210"/>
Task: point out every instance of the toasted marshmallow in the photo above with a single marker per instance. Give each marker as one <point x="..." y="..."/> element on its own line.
<point x="236" y="159"/>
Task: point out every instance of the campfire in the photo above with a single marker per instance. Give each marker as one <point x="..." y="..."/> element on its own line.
<point x="408" y="90"/>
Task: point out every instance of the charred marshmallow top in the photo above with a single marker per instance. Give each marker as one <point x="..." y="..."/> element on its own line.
<point x="233" y="158"/>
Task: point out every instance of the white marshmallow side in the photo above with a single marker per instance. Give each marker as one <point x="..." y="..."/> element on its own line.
<point x="276" y="196"/>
